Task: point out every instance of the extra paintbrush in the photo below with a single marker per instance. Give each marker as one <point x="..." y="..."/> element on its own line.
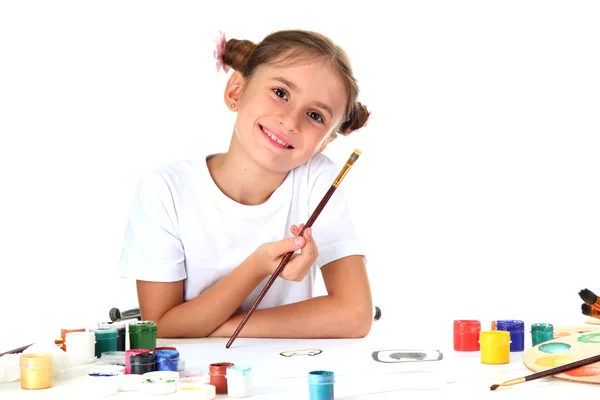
<point x="353" y="157"/>
<point x="590" y="298"/>
<point x="550" y="372"/>
<point x="590" y="311"/>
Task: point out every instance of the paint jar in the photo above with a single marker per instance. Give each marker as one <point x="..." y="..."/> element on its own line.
<point x="82" y="347"/>
<point x="197" y="385"/>
<point x="320" y="385"/>
<point x="128" y="354"/>
<point x="466" y="335"/>
<point x="516" y="328"/>
<point x="218" y="376"/>
<point x="102" y="383"/>
<point x="121" y="331"/>
<point x="63" y="335"/>
<point x="239" y="381"/>
<point x="113" y="358"/>
<point x="106" y="340"/>
<point x="167" y="360"/>
<point x="36" y="370"/>
<point x="494" y="347"/>
<point x="141" y="363"/>
<point x="541" y="333"/>
<point x="142" y="335"/>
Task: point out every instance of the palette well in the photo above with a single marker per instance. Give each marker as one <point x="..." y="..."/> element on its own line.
<point x="571" y="344"/>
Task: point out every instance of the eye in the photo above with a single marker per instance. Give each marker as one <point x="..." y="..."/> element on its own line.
<point x="280" y="93"/>
<point x="316" y="116"/>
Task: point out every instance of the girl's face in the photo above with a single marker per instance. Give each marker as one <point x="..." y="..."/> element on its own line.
<point x="286" y="114"/>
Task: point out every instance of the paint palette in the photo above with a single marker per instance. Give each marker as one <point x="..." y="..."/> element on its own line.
<point x="570" y="344"/>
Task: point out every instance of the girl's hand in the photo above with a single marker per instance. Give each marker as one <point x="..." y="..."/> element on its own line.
<point x="268" y="256"/>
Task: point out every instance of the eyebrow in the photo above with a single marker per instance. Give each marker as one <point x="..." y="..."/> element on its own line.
<point x="294" y="87"/>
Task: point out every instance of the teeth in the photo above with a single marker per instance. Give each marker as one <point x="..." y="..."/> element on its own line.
<point x="275" y="138"/>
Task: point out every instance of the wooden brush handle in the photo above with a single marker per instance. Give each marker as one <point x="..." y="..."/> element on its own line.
<point x="563" y="368"/>
<point x="281" y="266"/>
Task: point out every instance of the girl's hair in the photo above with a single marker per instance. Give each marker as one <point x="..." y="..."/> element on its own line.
<point x="290" y="45"/>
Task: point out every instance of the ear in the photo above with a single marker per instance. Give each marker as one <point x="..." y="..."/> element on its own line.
<point x="329" y="139"/>
<point x="233" y="90"/>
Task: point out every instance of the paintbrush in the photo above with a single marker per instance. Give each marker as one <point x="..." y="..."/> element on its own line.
<point x="590" y="311"/>
<point x="590" y="298"/>
<point x="550" y="372"/>
<point x="353" y="157"/>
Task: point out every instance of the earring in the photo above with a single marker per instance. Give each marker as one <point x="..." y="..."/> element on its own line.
<point x="232" y="105"/>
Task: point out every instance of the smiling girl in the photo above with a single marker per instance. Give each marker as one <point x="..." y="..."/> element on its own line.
<point x="204" y="235"/>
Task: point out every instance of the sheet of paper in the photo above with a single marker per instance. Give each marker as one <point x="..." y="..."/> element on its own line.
<point x="288" y="358"/>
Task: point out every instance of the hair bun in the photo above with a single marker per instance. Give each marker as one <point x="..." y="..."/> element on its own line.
<point x="237" y="52"/>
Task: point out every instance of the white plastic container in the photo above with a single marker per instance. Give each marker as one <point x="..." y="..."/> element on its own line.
<point x="239" y="381"/>
<point x="81" y="347"/>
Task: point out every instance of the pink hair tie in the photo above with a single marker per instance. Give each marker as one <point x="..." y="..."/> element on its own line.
<point x="220" y="43"/>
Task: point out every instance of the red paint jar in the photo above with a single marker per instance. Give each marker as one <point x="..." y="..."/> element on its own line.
<point x="466" y="335"/>
<point x="218" y="378"/>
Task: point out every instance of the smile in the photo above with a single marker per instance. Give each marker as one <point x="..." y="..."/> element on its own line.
<point x="274" y="138"/>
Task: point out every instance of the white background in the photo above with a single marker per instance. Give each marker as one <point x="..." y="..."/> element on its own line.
<point x="477" y="193"/>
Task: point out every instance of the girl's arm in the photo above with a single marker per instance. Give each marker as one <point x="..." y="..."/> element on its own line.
<point x="345" y="312"/>
<point x="163" y="302"/>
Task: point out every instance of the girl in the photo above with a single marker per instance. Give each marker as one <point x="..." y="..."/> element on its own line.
<point x="204" y="235"/>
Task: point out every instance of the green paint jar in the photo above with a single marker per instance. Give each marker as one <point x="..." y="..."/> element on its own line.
<point x="106" y="340"/>
<point x="142" y="335"/>
<point x="541" y="333"/>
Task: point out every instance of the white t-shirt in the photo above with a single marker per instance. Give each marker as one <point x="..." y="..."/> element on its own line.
<point x="181" y="226"/>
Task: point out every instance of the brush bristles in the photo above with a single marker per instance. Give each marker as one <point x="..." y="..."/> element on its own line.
<point x="355" y="155"/>
<point x="494" y="387"/>
<point x="588" y="296"/>
<point x="586" y="309"/>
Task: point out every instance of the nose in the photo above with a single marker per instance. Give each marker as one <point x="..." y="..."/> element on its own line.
<point x="289" y="120"/>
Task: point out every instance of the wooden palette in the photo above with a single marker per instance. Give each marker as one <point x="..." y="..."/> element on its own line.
<point x="570" y="344"/>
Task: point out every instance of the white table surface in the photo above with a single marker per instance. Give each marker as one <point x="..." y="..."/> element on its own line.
<point x="463" y="376"/>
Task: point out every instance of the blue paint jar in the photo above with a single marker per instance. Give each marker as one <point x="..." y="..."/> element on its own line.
<point x="167" y="360"/>
<point x="320" y="385"/>
<point x="516" y="328"/>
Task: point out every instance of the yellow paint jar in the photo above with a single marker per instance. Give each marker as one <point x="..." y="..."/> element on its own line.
<point x="36" y="371"/>
<point x="494" y="347"/>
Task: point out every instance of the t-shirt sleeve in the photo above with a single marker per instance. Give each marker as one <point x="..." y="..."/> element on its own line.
<point x="152" y="249"/>
<point x="333" y="230"/>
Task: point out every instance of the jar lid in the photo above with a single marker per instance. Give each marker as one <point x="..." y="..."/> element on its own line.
<point x="36" y="360"/>
<point x="142" y="327"/>
<point x="510" y="325"/>
<point x="467" y="325"/>
<point x="239" y="370"/>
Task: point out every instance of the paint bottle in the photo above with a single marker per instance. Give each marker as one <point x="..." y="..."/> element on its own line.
<point x="121" y="331"/>
<point x="320" y="385"/>
<point x="82" y="347"/>
<point x="167" y="360"/>
<point x="218" y="376"/>
<point x="142" y="335"/>
<point x="36" y="371"/>
<point x="541" y="333"/>
<point x="63" y="333"/>
<point x="106" y="340"/>
<point x="141" y="363"/>
<point x="466" y="335"/>
<point x="128" y="354"/>
<point x="494" y="347"/>
<point x="239" y="381"/>
<point x="516" y="328"/>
